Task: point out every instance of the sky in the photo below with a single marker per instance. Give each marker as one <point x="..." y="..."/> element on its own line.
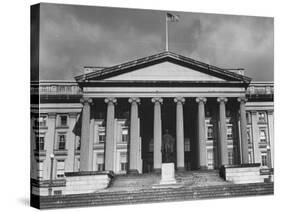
<point x="72" y="37"/>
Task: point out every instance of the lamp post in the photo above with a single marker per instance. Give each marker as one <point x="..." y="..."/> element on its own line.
<point x="51" y="174"/>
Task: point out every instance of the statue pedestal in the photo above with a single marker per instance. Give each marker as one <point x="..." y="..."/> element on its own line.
<point x="168" y="174"/>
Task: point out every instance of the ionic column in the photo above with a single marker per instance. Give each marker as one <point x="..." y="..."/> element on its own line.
<point x="201" y="133"/>
<point x="134" y="135"/>
<point x="157" y="134"/>
<point x="86" y="150"/>
<point x="243" y="128"/>
<point x="180" y="133"/>
<point x="222" y="132"/>
<point x="109" y="143"/>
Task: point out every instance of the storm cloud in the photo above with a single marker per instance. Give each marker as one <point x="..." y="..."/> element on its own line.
<point x="72" y="37"/>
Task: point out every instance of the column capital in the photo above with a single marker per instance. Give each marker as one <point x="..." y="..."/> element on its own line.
<point x="134" y="99"/>
<point x="110" y="100"/>
<point x="157" y="99"/>
<point x="201" y="99"/>
<point x="85" y="100"/>
<point x="242" y="99"/>
<point x="222" y="99"/>
<point x="179" y="99"/>
<point x="270" y="112"/>
<point x="52" y="115"/>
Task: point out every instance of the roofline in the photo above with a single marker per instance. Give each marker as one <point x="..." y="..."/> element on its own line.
<point x="155" y="57"/>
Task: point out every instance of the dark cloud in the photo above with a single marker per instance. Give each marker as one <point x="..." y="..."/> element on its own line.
<point x="75" y="36"/>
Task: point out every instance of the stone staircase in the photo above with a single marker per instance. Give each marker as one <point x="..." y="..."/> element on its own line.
<point x="130" y="189"/>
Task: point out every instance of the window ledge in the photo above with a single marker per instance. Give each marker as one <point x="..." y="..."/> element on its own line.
<point x="40" y="153"/>
<point x="60" y="151"/>
<point x="62" y="127"/>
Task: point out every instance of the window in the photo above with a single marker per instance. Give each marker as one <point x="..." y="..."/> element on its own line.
<point x="78" y="164"/>
<point x="249" y="136"/>
<point x="123" y="166"/>
<point x="151" y="145"/>
<point x="230" y="157"/>
<point x="210" y="132"/>
<point x="101" y="134"/>
<point x="248" y="117"/>
<point x="125" y="134"/>
<point x="63" y="120"/>
<point x="61" y="141"/>
<point x="210" y="158"/>
<point x="40" y="142"/>
<point x="40" y="170"/>
<point x="78" y="144"/>
<point x="100" y="162"/>
<point x="60" y="168"/>
<point x="123" y="161"/>
<point x="262" y="116"/>
<point x="58" y="192"/>
<point x="229" y="132"/>
<point x="187" y="145"/>
<point x="263" y="159"/>
<point x="250" y="156"/>
<point x="263" y="135"/>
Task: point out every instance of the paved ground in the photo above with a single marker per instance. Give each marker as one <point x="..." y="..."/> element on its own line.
<point x="144" y="181"/>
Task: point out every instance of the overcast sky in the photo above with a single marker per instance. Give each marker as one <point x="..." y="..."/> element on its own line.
<point x="72" y="37"/>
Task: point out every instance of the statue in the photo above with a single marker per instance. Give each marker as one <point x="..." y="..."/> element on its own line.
<point x="167" y="147"/>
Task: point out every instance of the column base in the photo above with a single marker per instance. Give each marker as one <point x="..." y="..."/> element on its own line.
<point x="133" y="172"/>
<point x="157" y="170"/>
<point x="181" y="169"/>
<point x="203" y="168"/>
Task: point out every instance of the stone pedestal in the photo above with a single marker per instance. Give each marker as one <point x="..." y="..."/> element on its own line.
<point x="168" y="173"/>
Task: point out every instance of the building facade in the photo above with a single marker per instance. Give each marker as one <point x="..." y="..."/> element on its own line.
<point x="115" y="118"/>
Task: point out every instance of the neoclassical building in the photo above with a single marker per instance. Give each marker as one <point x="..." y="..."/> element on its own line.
<point x="115" y="118"/>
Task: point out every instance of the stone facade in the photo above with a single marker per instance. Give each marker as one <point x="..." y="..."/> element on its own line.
<point x="114" y="120"/>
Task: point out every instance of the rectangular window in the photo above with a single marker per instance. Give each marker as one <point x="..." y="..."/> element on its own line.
<point x="123" y="166"/>
<point x="125" y="134"/>
<point x="123" y="161"/>
<point x="187" y="145"/>
<point x="249" y="136"/>
<point x="210" y="158"/>
<point x="78" y="144"/>
<point x="230" y="157"/>
<point x="100" y="162"/>
<point x="58" y="192"/>
<point x="61" y="141"/>
<point x="248" y="118"/>
<point x="63" y="120"/>
<point x="210" y="133"/>
<point x="40" y="170"/>
<point x="263" y="135"/>
<point x="229" y="132"/>
<point x="60" y="168"/>
<point x="40" y="142"/>
<point x="101" y="134"/>
<point x="262" y="116"/>
<point x="264" y="159"/>
<point x="250" y="156"/>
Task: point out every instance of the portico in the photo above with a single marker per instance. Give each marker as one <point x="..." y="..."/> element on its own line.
<point x="161" y="81"/>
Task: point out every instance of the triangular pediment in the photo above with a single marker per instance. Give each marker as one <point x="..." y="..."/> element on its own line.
<point x="165" y="66"/>
<point x="165" y="71"/>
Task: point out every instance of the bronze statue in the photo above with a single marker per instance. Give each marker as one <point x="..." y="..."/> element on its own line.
<point x="168" y="145"/>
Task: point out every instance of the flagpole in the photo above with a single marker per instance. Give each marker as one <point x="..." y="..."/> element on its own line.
<point x="167" y="38"/>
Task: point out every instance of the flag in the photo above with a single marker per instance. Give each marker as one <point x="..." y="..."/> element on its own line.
<point x="172" y="18"/>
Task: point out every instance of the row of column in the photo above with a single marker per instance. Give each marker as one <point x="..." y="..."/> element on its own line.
<point x="86" y="162"/>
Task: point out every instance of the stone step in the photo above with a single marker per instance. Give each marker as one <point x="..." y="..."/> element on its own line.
<point x="156" y="195"/>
